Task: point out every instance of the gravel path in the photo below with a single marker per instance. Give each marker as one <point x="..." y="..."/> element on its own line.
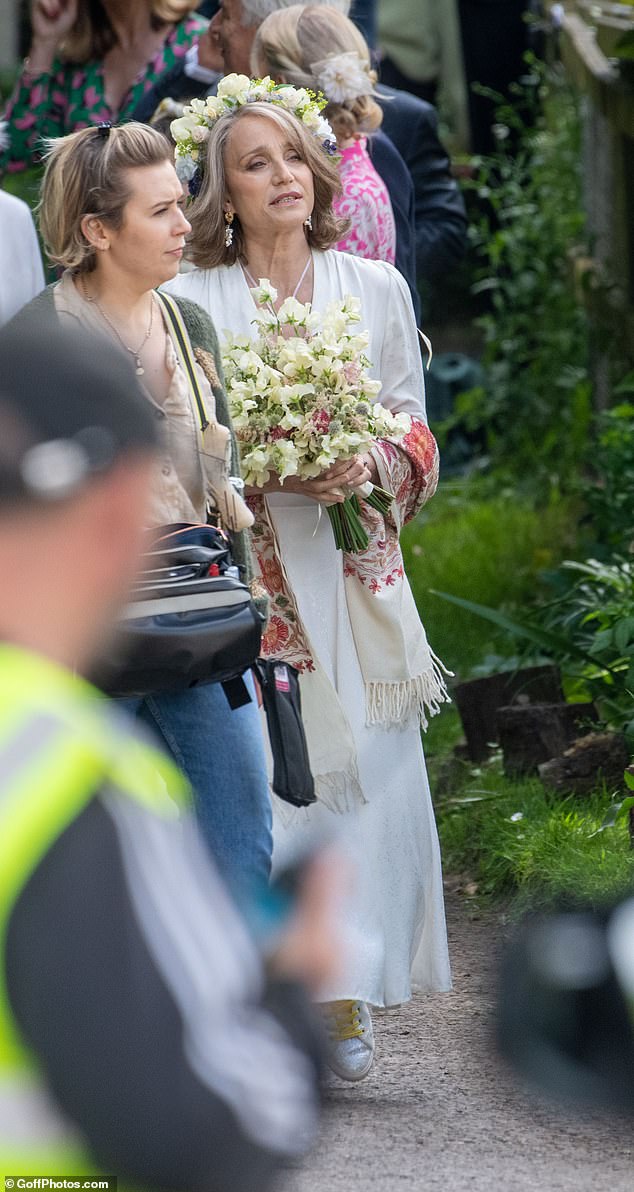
<point x="439" y="1112"/>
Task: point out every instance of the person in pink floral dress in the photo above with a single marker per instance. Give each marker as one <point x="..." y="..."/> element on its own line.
<point x="90" y="63"/>
<point x="366" y="203"/>
<point x="320" y="48"/>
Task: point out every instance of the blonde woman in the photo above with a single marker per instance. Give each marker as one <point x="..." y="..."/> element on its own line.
<point x="90" y="62"/>
<point x="321" y="49"/>
<point x="112" y="217"/>
<point x="348" y="622"/>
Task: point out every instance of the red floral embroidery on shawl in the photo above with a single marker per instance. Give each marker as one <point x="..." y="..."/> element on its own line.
<point x="284" y="636"/>
<point x="411" y="467"/>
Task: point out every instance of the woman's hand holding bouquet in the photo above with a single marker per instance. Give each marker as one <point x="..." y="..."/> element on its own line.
<point x="305" y="412"/>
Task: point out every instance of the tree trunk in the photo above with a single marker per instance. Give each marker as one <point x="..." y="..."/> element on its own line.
<point x="479" y="700"/>
<point x="536" y="733"/>
<point x="598" y="757"/>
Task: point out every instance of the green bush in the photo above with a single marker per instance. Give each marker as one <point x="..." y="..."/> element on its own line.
<point x="610" y="499"/>
<point x="535" y="406"/>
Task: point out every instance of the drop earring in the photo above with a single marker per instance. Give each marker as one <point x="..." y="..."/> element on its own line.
<point x="308" y="223"/>
<point x="228" y="229"/>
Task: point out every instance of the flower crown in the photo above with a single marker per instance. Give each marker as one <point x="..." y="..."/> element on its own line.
<point x="192" y="129"/>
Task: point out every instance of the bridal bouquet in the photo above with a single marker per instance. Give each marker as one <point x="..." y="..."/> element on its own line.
<point x="301" y="399"/>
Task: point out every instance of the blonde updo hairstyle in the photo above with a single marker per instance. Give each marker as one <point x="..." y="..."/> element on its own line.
<point x="291" y="42"/>
<point x="206" y="241"/>
<point x="86" y="175"/>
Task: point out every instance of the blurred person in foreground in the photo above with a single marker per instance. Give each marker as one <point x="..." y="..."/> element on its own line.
<point x="90" y="61"/>
<point x="111" y="214"/>
<point x="21" y="272"/>
<point x="410" y="123"/>
<point x="139" y="1032"/>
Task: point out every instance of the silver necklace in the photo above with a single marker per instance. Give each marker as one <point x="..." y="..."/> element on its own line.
<point x="254" y="283"/>
<point x="140" y="371"/>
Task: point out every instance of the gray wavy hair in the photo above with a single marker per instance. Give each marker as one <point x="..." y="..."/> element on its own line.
<point x="256" y="11"/>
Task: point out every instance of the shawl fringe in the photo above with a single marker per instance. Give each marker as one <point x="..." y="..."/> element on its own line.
<point x="340" y="791"/>
<point x="403" y="703"/>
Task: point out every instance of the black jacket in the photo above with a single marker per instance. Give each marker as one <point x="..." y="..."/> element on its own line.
<point x="441" y="221"/>
<point x="396" y="176"/>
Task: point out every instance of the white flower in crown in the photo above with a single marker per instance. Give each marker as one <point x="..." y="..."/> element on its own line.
<point x="212" y="107"/>
<point x="234" y="86"/>
<point x="343" y="77"/>
<point x="185" y="168"/>
<point x="183" y="127"/>
<point x="200" y="134"/>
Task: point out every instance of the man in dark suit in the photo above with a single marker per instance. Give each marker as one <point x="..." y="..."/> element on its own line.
<point x="439" y="211"/>
<point x="410" y="124"/>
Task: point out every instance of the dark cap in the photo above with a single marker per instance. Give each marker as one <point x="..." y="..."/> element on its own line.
<point x="70" y="408"/>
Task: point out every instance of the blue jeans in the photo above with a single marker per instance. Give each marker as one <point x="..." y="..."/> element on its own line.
<point x="222" y="753"/>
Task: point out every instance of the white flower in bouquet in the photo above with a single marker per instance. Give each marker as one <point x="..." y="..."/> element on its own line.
<point x="302" y="399"/>
<point x="293" y="313"/>
<point x="265" y="294"/>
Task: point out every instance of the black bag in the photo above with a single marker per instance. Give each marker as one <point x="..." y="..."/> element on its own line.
<point x="191" y="619"/>
<point x="292" y="776"/>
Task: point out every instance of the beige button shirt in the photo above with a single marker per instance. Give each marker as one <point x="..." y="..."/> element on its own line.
<point x="180" y="492"/>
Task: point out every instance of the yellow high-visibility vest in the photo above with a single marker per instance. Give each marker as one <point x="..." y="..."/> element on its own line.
<point x="60" y="742"/>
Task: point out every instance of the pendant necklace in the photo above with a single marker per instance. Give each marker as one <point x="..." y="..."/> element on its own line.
<point x="136" y="352"/>
<point x="254" y="283"/>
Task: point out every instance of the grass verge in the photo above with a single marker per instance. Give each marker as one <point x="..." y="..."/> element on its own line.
<point x="512" y="837"/>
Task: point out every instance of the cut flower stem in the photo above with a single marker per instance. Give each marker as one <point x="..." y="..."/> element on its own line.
<point x="345" y="519"/>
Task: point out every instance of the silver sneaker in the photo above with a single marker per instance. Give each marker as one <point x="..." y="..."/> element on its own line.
<point x="350" y="1039"/>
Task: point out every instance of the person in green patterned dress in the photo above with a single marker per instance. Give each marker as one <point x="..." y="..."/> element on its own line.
<point x="90" y="62"/>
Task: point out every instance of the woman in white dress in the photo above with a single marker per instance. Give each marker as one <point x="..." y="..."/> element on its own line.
<point x="368" y="677"/>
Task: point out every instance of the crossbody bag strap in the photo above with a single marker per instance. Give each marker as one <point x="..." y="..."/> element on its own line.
<point x="175" y="320"/>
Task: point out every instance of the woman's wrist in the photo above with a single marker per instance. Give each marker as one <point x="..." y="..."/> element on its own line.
<point x="40" y="58"/>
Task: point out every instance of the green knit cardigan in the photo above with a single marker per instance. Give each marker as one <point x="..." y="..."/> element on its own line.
<point x="202" y="334"/>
